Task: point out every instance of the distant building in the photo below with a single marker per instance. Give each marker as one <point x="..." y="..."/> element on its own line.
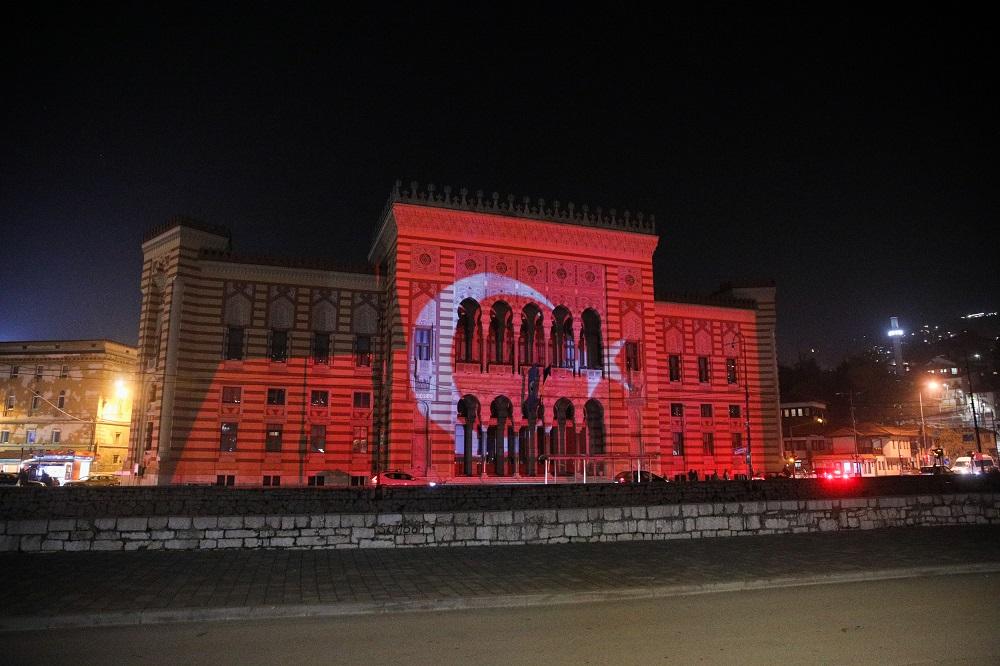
<point x="68" y="400"/>
<point x="872" y="450"/>
<point x="487" y="338"/>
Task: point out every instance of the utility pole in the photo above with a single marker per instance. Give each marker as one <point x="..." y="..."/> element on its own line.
<point x="854" y="428"/>
<point x="972" y="402"/>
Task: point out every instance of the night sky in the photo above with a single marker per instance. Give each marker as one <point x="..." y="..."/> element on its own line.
<point x="849" y="158"/>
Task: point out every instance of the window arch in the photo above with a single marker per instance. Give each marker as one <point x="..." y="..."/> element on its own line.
<point x="590" y="340"/>
<point x="468" y="411"/>
<point x="594" y="415"/>
<point x="501" y="336"/>
<point x="563" y="432"/>
<point x="563" y="348"/>
<point x="469" y="332"/>
<point x="531" y="343"/>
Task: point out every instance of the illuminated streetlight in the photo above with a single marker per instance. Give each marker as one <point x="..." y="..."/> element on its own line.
<point x="932" y="385"/>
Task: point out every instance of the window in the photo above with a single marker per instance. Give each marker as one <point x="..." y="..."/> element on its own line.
<point x="359" y="442"/>
<point x="321" y="348"/>
<point x="272" y="480"/>
<point x="152" y="393"/>
<point x="56" y="435"/>
<point x="232" y="395"/>
<point x="64" y="372"/>
<point x="234" y="343"/>
<point x="675" y="368"/>
<point x="317" y="438"/>
<point x="709" y="441"/>
<point x="734" y="411"/>
<point x="730" y="370"/>
<point x="319" y="398"/>
<point x="272" y="438"/>
<point x="4" y="436"/>
<point x="275" y="396"/>
<point x="317" y="480"/>
<point x="632" y="356"/>
<point x="362" y="400"/>
<point x="706" y="411"/>
<point x="61" y="400"/>
<point x="363" y="351"/>
<point x="36" y="401"/>
<point x="737" y="442"/>
<point x="422" y="343"/>
<point x="149" y="435"/>
<point x="703" y="369"/>
<point x="227" y="436"/>
<point x="15" y="370"/>
<point x="677" y="409"/>
<point x="8" y="404"/>
<point x="225" y="480"/>
<point x="39" y="371"/>
<point x="31" y="436"/>
<point x="678" y="444"/>
<point x="278" y="341"/>
<point x="115" y="459"/>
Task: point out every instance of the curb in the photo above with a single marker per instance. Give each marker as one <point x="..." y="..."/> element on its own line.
<point x="182" y="615"/>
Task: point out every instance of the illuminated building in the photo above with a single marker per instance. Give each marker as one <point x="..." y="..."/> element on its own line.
<point x="66" y="398"/>
<point x="490" y="335"/>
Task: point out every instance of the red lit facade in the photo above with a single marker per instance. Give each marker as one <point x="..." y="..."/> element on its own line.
<point x="257" y="372"/>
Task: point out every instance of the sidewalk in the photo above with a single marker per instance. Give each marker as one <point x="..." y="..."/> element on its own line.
<point x="88" y="589"/>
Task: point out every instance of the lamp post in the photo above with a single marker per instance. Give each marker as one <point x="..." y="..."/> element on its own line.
<point x="923" y="426"/>
<point x="972" y="402"/>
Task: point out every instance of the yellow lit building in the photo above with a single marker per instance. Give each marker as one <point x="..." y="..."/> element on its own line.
<point x="66" y="401"/>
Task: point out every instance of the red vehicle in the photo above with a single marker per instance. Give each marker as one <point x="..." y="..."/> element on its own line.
<point x="397" y="478"/>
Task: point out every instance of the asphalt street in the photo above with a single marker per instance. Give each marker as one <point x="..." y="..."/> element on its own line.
<point x="951" y="619"/>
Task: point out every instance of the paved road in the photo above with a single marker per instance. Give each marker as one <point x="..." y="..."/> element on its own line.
<point x="942" y="619"/>
<point x="80" y="589"/>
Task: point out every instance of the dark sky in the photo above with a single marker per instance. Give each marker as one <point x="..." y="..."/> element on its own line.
<point x="850" y="158"/>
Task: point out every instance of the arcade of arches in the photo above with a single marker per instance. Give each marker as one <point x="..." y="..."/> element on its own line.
<point x="493" y="439"/>
<point x="560" y="347"/>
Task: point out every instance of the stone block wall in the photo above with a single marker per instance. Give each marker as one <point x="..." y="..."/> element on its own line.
<point x="490" y="527"/>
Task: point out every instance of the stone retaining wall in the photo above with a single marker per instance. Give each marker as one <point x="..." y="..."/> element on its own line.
<point x="497" y="527"/>
<point x="118" y="502"/>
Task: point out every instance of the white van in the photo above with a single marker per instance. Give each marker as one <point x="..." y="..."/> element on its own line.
<point x="977" y="463"/>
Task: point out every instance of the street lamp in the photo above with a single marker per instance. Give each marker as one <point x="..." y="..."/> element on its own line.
<point x="932" y="385"/>
<point x="854" y="428"/>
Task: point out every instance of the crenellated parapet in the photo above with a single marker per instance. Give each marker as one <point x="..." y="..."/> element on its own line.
<point x="555" y="211"/>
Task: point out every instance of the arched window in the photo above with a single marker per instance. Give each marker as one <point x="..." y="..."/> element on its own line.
<point x="594" y="414"/>
<point x="468" y="411"/>
<point x="468" y="332"/>
<point x="590" y="340"/>
<point x="500" y="440"/>
<point x="564" y="432"/>
<point x="501" y="336"/>
<point x="563" y="349"/>
<point x="531" y="343"/>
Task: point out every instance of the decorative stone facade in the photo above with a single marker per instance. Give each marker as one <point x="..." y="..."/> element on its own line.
<point x="493" y="335"/>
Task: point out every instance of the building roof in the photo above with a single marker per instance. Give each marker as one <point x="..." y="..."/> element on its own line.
<point x="551" y="211"/>
<point x="705" y="299"/>
<point x="37" y="347"/>
<point x="874" y="430"/>
<point x="208" y="254"/>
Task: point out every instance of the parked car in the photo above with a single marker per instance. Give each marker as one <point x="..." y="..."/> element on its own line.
<point x="977" y="463"/>
<point x="397" y="478"/>
<point x="96" y="480"/>
<point x="632" y="476"/>
<point x="934" y="470"/>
